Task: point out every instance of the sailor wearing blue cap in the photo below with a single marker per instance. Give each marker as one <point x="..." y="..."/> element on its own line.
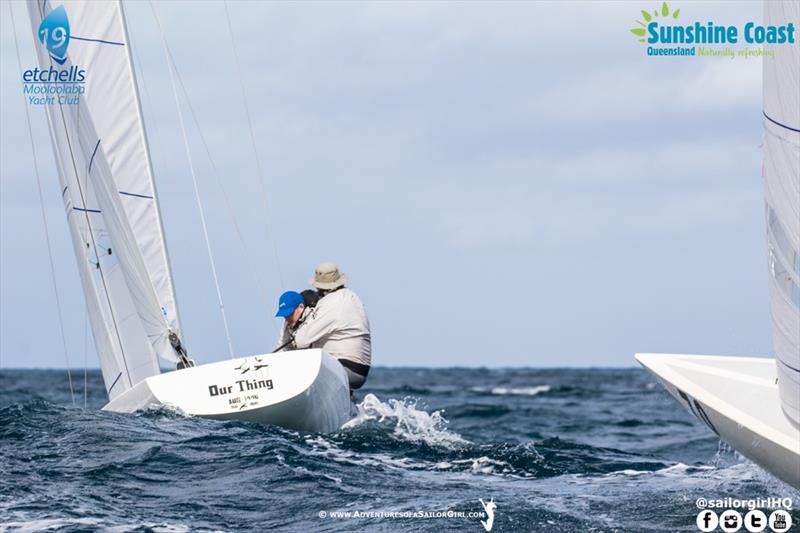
<point x="331" y="318"/>
<point x="291" y="306"/>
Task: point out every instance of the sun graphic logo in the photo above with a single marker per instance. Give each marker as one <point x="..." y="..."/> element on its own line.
<point x="54" y="34"/>
<point x="664" y="12"/>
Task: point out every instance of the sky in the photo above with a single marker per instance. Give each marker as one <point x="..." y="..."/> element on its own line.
<point x="505" y="184"/>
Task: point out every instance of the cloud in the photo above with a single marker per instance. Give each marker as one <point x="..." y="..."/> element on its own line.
<point x="673" y="163"/>
<point x="530" y="219"/>
<point x="424" y="133"/>
<point x="609" y="195"/>
<point x="650" y="94"/>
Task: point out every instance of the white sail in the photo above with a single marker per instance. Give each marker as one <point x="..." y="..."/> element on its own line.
<point x="782" y="196"/>
<point x="99" y="40"/>
<point x="109" y="197"/>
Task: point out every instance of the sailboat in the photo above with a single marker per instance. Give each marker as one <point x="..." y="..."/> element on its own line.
<point x="753" y="404"/>
<point x="111" y="203"/>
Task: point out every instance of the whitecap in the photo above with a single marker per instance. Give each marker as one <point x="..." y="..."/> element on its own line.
<point x="485" y="465"/>
<point x="683" y="469"/>
<point x="48" y="524"/>
<point x="56" y="524"/>
<point x="629" y="472"/>
<point x="320" y="446"/>
<point x="410" y="423"/>
<point x="678" y="469"/>
<point x="520" y="391"/>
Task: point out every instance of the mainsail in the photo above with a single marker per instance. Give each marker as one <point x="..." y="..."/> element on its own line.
<point x="109" y="195"/>
<point x="782" y="195"/>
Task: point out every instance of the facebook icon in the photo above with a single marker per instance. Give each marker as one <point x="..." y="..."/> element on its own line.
<point x="707" y="520"/>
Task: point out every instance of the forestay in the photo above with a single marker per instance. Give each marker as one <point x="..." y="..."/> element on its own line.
<point x="109" y="196"/>
<point x="782" y="195"/>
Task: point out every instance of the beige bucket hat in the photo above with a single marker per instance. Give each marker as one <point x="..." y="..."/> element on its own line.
<point x="328" y="277"/>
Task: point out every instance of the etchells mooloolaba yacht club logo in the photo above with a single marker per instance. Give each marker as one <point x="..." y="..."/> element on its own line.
<point x="665" y="33"/>
<point x="54" y="34"/>
<point x="57" y="84"/>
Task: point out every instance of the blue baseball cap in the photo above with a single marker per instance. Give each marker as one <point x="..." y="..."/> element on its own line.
<point x="288" y="302"/>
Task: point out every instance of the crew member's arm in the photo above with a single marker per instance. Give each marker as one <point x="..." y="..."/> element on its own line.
<point x="284" y="337"/>
<point x="320" y="322"/>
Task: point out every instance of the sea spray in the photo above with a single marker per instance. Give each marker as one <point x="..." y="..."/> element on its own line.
<point x="410" y="423"/>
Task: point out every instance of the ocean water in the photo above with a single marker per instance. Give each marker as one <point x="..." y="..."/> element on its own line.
<point x="555" y="449"/>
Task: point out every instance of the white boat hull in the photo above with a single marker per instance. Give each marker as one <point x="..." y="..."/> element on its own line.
<point x="738" y="399"/>
<point x="305" y="390"/>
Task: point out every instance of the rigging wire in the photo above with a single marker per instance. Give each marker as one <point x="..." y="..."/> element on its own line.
<point x="194" y="181"/>
<point x="262" y="185"/>
<point x="177" y="328"/>
<point x="153" y="133"/>
<point x="44" y="219"/>
<point x="85" y="350"/>
<point x="219" y="180"/>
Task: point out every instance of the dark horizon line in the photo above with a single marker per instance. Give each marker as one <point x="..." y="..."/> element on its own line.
<point x="387" y="367"/>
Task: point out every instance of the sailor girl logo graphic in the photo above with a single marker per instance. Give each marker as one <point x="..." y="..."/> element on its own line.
<point x="488" y="508"/>
<point x="54" y="34"/>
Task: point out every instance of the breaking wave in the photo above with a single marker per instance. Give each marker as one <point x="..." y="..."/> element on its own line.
<point x="406" y="421"/>
<point x="513" y="391"/>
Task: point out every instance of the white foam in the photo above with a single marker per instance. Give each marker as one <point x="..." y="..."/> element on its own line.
<point x="55" y="524"/>
<point x="322" y="447"/>
<point x="678" y="469"/>
<point x="681" y="469"/>
<point x="521" y="391"/>
<point x="629" y="472"/>
<point x="410" y="423"/>
<point x="303" y="470"/>
<point x="479" y="465"/>
<point x="158" y="528"/>
<point x="48" y="524"/>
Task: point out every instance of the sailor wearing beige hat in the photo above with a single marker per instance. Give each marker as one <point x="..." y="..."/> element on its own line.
<point x="338" y="324"/>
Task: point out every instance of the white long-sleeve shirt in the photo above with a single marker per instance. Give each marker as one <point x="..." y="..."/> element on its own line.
<point x="287" y="332"/>
<point x="339" y="326"/>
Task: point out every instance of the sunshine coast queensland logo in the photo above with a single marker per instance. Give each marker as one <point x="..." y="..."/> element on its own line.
<point x="56" y="84"/>
<point x="667" y="35"/>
